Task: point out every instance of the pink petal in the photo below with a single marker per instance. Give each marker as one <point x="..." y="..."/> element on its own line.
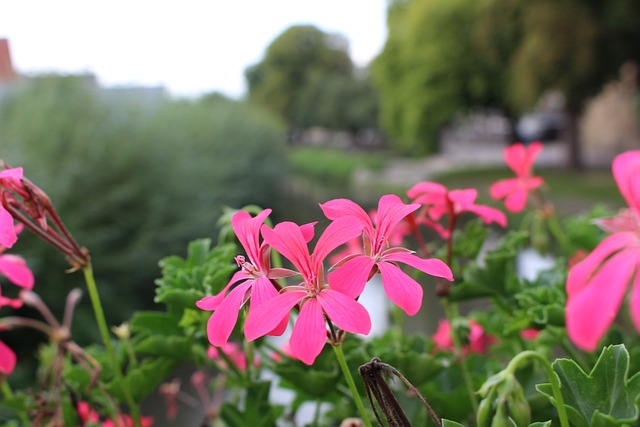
<point x="13" y="174"/>
<point x="405" y="292"/>
<point x="502" y="188"/>
<point x="515" y="158"/>
<point x="8" y="236"/>
<point x="591" y="310"/>
<point x="489" y="215"/>
<point x="626" y="171"/>
<point x="265" y="318"/>
<point x="517" y="200"/>
<point x="287" y="239"/>
<point x="634" y="300"/>
<point x="463" y="198"/>
<point x="308" y="231"/>
<point x="348" y="314"/>
<point x="16" y="270"/>
<point x="212" y="302"/>
<point x="533" y="182"/>
<point x="248" y="231"/>
<point x="338" y="208"/>
<point x="7" y="359"/>
<point x="351" y="278"/>
<point x="581" y="272"/>
<point x="309" y="333"/>
<point x="338" y="232"/>
<point x="426" y="188"/>
<point x="432" y="266"/>
<point x="263" y="290"/>
<point x="391" y="210"/>
<point x="224" y="318"/>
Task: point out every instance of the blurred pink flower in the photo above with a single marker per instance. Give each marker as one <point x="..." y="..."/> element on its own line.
<point x="7" y="359"/>
<point x="234" y="352"/>
<point x="316" y="299"/>
<point x="515" y="191"/>
<point x="478" y="340"/>
<point x="14" y="267"/>
<point x="254" y="280"/>
<point x="529" y="334"/>
<point x="8" y="236"/>
<point x="354" y="271"/>
<point x="596" y="286"/>
<point x="437" y="201"/>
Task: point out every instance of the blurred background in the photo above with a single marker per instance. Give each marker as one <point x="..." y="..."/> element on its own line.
<point x="144" y="122"/>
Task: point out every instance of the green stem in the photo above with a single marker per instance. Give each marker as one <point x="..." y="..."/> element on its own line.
<point x="553" y="380"/>
<point x="104" y="332"/>
<point x="558" y="232"/>
<point x="352" y="385"/>
<point x="451" y="310"/>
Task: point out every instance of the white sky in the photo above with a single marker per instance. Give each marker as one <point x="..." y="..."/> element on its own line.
<point x="190" y="46"/>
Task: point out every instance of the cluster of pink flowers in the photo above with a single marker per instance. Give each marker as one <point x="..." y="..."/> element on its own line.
<point x="323" y="300"/>
<point x="477" y="341"/>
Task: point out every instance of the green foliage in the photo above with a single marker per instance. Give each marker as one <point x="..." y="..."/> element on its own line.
<point x="605" y="396"/>
<point x="329" y="165"/>
<point x="289" y="64"/>
<point x="134" y="184"/>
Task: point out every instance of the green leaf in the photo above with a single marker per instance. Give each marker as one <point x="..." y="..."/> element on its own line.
<point x="154" y="322"/>
<point x="604" y="397"/>
<point x="257" y="410"/>
<point x="449" y="423"/>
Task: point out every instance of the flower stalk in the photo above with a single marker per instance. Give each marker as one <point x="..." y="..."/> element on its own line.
<point x="351" y="383"/>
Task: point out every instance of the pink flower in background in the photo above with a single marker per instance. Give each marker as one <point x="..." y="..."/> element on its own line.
<point x="478" y="341"/>
<point x="596" y="286"/>
<point x="254" y="280"/>
<point x="515" y="191"/>
<point x="315" y="298"/>
<point x="8" y="235"/>
<point x="235" y="354"/>
<point x="354" y="271"/>
<point x="7" y="359"/>
<point x="438" y="201"/>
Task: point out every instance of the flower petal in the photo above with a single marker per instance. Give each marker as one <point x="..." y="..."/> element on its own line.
<point x="579" y="275"/>
<point x="212" y="302"/>
<point x="591" y="310"/>
<point x="432" y="266"/>
<point x="391" y="210"/>
<point x="348" y="314"/>
<point x="352" y="276"/>
<point x="405" y="292"/>
<point x="12" y="174"/>
<point x="488" y="214"/>
<point x="309" y="333"/>
<point x="626" y="171"/>
<point x="338" y="208"/>
<point x="248" y="231"/>
<point x="634" y="300"/>
<point x="263" y="290"/>
<point x="224" y="318"/>
<point x="517" y="200"/>
<point x="8" y="236"/>
<point x="16" y="270"/>
<point x="338" y="232"/>
<point x="265" y="318"/>
<point x="287" y="239"/>
<point x="7" y="359"/>
<point x="502" y="188"/>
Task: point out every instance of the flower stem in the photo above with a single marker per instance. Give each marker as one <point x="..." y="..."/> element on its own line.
<point x="553" y="380"/>
<point x="451" y="310"/>
<point x="104" y="331"/>
<point x="352" y="385"/>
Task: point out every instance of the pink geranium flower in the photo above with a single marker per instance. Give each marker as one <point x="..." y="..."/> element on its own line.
<point x="514" y="191"/>
<point x="438" y="201"/>
<point x="14" y="267"/>
<point x="478" y="341"/>
<point x="354" y="271"/>
<point x="596" y="286"/>
<point x="314" y="297"/>
<point x="235" y="354"/>
<point x="7" y="359"/>
<point x="8" y="234"/>
<point x="253" y="280"/>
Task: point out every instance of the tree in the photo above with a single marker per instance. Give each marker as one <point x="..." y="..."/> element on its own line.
<point x="290" y="62"/>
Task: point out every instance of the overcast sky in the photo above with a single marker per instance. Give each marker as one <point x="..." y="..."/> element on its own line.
<point x="188" y="46"/>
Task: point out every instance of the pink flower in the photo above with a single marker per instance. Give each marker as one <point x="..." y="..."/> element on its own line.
<point x="596" y="286"/>
<point x="478" y="341"/>
<point x="529" y="334"/>
<point x="514" y="191"/>
<point x="254" y="280"/>
<point x="315" y="298"/>
<point x="14" y="267"/>
<point x="235" y="354"/>
<point x="438" y="201"/>
<point x="7" y="359"/>
<point x="8" y="235"/>
<point x="354" y="271"/>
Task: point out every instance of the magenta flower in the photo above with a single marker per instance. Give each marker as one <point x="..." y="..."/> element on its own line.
<point x="315" y="299"/>
<point x="254" y="280"/>
<point x="478" y="341"/>
<point x="355" y="270"/>
<point x="8" y="236"/>
<point x="7" y="359"/>
<point x="438" y="201"/>
<point x="515" y="191"/>
<point x="14" y="267"/>
<point x="596" y="286"/>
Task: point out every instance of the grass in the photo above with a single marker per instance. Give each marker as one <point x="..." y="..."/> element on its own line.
<point x="331" y="165"/>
